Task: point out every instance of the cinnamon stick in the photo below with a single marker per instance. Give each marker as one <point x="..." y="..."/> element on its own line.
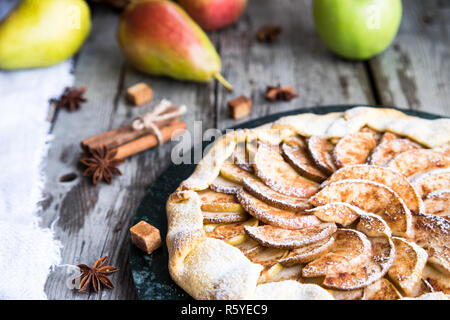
<point x="122" y="135"/>
<point x="147" y="141"/>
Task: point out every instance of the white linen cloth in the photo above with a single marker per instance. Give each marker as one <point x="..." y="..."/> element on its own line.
<point x="27" y="251"/>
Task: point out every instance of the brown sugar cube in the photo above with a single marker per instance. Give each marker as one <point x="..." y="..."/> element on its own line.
<point x="239" y="107"/>
<point x="139" y="94"/>
<point x="145" y="236"/>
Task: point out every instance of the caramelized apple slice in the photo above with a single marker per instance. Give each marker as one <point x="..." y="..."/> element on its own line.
<point x="301" y="161"/>
<point x="274" y="216"/>
<point x="337" y="212"/>
<point x="388" y="136"/>
<point x="351" y="249"/>
<point x="249" y="247"/>
<point x="436" y="279"/>
<point x="271" y="168"/>
<point x="274" y="237"/>
<point x="385" y="176"/>
<point x="387" y="150"/>
<point x="258" y="189"/>
<point x="288" y="273"/>
<point x="431" y="181"/>
<point x="372" y="225"/>
<point x="383" y="254"/>
<point x="218" y="202"/>
<point x="381" y="289"/>
<point x="224" y="186"/>
<point x="432" y="233"/>
<point x="320" y="150"/>
<point x="233" y="173"/>
<point x="224" y="217"/>
<point x="418" y="161"/>
<point x="422" y="287"/>
<point x="354" y="148"/>
<point x="438" y="202"/>
<point x="232" y="233"/>
<point x="406" y="271"/>
<point x="308" y="253"/>
<point x="371" y="197"/>
<point x="268" y="258"/>
<point x="241" y="158"/>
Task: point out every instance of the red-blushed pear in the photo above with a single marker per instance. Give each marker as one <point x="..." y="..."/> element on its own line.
<point x="158" y="37"/>
<point x="214" y="14"/>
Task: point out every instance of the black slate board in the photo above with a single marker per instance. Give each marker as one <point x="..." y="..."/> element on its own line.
<point x="150" y="272"/>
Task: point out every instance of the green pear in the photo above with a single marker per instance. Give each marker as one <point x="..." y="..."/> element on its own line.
<point x="39" y="33"/>
<point x="159" y="38"/>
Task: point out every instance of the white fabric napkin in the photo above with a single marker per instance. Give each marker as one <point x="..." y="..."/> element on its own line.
<point x="27" y="251"/>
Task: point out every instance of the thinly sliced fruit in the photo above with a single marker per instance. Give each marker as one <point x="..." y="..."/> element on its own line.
<point x="249" y="247"/>
<point x="232" y="233"/>
<point x="385" y="176"/>
<point x="406" y="271"/>
<point x="381" y="289"/>
<point x="224" y="186"/>
<point x="431" y="296"/>
<point x="241" y="158"/>
<point x="438" y="203"/>
<point x="308" y="253"/>
<point x="288" y="273"/>
<point x="373" y="225"/>
<point x="431" y="181"/>
<point x="258" y="189"/>
<point x="275" y="237"/>
<point x="218" y="202"/>
<point x="418" y="161"/>
<point x="320" y="150"/>
<point x="383" y="254"/>
<point x="422" y="287"/>
<point x="300" y="160"/>
<point x="233" y="173"/>
<point x="295" y="140"/>
<point x="371" y="197"/>
<point x="432" y="233"/>
<point x="387" y="150"/>
<point x="354" y="148"/>
<point x="436" y="279"/>
<point x="337" y="212"/>
<point x="351" y="249"/>
<point x="271" y="168"/>
<point x="357" y="294"/>
<point x="224" y="217"/>
<point x="268" y="258"/>
<point x="274" y="216"/>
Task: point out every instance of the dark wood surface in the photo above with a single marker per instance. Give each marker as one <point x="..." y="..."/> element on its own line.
<point x="93" y="221"/>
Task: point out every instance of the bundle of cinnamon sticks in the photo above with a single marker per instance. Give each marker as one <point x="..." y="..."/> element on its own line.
<point x="127" y="141"/>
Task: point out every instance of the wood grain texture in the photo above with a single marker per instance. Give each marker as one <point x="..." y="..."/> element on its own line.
<point x="93" y="221"/>
<point x="415" y="71"/>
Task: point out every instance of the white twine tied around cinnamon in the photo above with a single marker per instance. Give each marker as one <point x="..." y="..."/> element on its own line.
<point x="147" y="121"/>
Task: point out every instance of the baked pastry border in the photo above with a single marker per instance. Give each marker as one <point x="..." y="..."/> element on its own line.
<point x="208" y="268"/>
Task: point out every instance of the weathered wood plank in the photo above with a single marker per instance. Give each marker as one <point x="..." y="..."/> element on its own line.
<point x="298" y="58"/>
<point x="415" y="71"/>
<point x="93" y="221"/>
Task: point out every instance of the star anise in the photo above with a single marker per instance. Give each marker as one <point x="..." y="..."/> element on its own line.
<point x="72" y="98"/>
<point x="280" y="93"/>
<point x="97" y="275"/>
<point x="268" y="33"/>
<point x="101" y="164"/>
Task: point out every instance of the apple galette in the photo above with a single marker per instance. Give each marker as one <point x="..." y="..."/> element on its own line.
<point x="347" y="205"/>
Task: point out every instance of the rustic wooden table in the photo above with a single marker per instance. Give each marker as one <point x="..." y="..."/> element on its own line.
<point x="93" y="221"/>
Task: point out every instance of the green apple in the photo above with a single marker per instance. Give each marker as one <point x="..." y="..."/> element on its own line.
<point x="357" y="29"/>
<point x="39" y="33"/>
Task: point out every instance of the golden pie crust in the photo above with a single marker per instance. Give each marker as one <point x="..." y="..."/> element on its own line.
<point x="370" y="206"/>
